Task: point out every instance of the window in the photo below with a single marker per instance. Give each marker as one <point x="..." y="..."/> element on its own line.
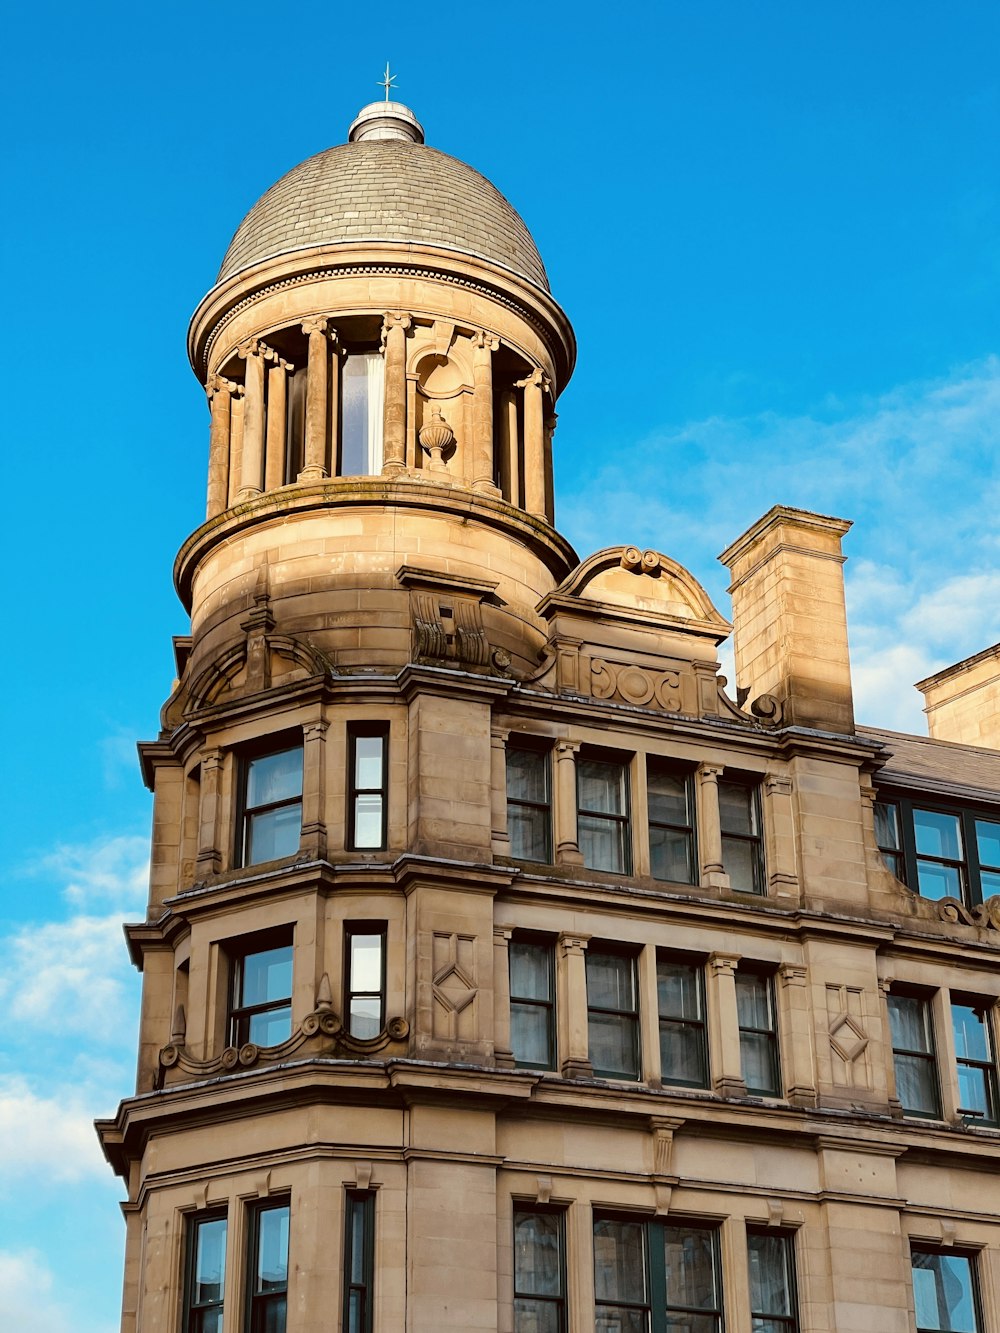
<point x="742" y="852"/>
<point x="362" y="399"/>
<point x="670" y="802"/>
<point x="539" y="1272"/>
<point x="364" y="970"/>
<point x="271" y="823"/>
<point x="532" y="1003"/>
<point x="940" y="852"/>
<point x="683" y="1048"/>
<point x="359" y="1260"/>
<point x="529" y="804"/>
<point x="261" y="1007"/>
<point x="267" y="1269"/>
<point x="657" y="1277"/>
<point x="205" y="1278"/>
<point x="771" y="1262"/>
<point x="367" y="788"/>
<point x="758" y="1037"/>
<point x="977" y="1071"/>
<point x="913" y="1054"/>
<point x="945" y="1297"/>
<point x="612" y="1013"/>
<point x="603" y="822"/>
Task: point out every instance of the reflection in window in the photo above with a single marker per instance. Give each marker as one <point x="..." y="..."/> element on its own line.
<point x="603" y="826"/>
<point x="758" y="1036"/>
<point x="532" y="1003"/>
<point x="670" y="799"/>
<point x="655" y="1276"/>
<point x="206" y="1274"/>
<point x="365" y="980"/>
<point x="612" y="1014"/>
<point x="940" y="858"/>
<point x="683" y="1048"/>
<point x="359" y="1261"/>
<point x="368" y="788"/>
<point x="887" y="836"/>
<point x="261" y="1010"/>
<point x="267" y="1276"/>
<point x="988" y="847"/>
<point x="913" y="1055"/>
<point x="977" y="1072"/>
<point x="772" y="1282"/>
<point x="529" y="810"/>
<point x="362" y="400"/>
<point x="539" y="1273"/>
<point x="272" y="806"/>
<point x="742" y="853"/>
<point x="944" y="1292"/>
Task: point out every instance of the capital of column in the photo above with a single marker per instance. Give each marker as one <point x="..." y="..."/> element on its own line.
<point x="219" y="384"/>
<point x="710" y="773"/>
<point x="573" y="944"/>
<point x="395" y="319"/>
<point x="318" y="324"/>
<point x="210" y="760"/>
<point x="315" y="730"/>
<point x="778" y="784"/>
<point x="551" y="421"/>
<point x="868" y="793"/>
<point x="567" y="750"/>
<point x="256" y="347"/>
<point x="485" y="342"/>
<point x="537" y="379"/>
<point x="502" y="934"/>
<point x="498" y="736"/>
<point x="885" y="984"/>
<point x="793" y="974"/>
<point x="722" y="963"/>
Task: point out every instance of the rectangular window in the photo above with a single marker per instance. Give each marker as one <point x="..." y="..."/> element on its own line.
<point x="888" y="837"/>
<point x="940" y="852"/>
<point x="539" y="1272"/>
<point x="913" y="1055"/>
<point x="529" y="804"/>
<point x="941" y="871"/>
<point x="670" y="801"/>
<point x="532" y="1003"/>
<point x="771" y="1261"/>
<point x="271" y="806"/>
<point x="364" y="970"/>
<point x="742" y="848"/>
<point x="977" y="1070"/>
<point x="362" y="395"/>
<point x="204" y="1286"/>
<point x="758" y="1033"/>
<point x="945" y="1298"/>
<point x="612" y="1013"/>
<point x="603" y="819"/>
<point x="368" y="783"/>
<point x="683" y="1047"/>
<point x="267" y="1269"/>
<point x="261" y="1006"/>
<point x="653" y="1277"/>
<point x="359" y="1260"/>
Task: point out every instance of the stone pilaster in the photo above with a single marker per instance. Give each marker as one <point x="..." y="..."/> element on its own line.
<point x="317" y="399"/>
<point x="313" y="841"/>
<point x="503" y="1055"/>
<point x="573" y="1006"/>
<point x="394" y="428"/>
<point x="535" y="386"/>
<point x="252" y="463"/>
<point x="567" y="837"/>
<point x="797" y="1035"/>
<point x="498" y="791"/>
<point x="724" y="1030"/>
<point x="209" y="860"/>
<point x="484" y="345"/>
<point x="710" y="827"/>
<point x="220" y="393"/>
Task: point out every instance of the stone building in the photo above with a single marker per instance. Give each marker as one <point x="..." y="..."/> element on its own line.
<point x="501" y="970"/>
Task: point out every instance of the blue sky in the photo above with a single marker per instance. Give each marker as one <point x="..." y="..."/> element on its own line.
<point x="776" y="228"/>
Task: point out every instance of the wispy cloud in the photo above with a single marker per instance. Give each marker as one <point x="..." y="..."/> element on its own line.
<point x="109" y="871"/>
<point x="26" y="1300"/>
<point x="49" y="1138"/>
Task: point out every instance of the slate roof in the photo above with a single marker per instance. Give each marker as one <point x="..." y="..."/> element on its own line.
<point x="386" y="190"/>
<point x="928" y="765"/>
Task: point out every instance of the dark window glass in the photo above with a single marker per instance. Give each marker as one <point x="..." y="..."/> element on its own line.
<point x="742" y="852"/>
<point x="539" y="1273"/>
<point x="887" y="835"/>
<point x="529" y="804"/>
<point x="977" y="1071"/>
<point x="362" y="396"/>
<point x="261" y="1009"/>
<point x="603" y="822"/>
<point x="913" y="1055"/>
<point x="988" y="847"/>
<point x="772" y="1282"/>
<point x="940" y="857"/>
<point x="944" y="1292"/>
<point x="272" y="806"/>
<point x="670" y="802"/>
<point x="365" y="973"/>
<point x="683" y="1048"/>
<point x="359" y="1260"/>
<point x="758" y="1034"/>
<point x="368" y="789"/>
<point x="532" y="1003"/>
<point x="267" y="1269"/>
<point x="651" y="1277"/>
<point x="612" y="1014"/>
<point x="621" y="1277"/>
<point x="206" y="1274"/>
<point x="692" y="1280"/>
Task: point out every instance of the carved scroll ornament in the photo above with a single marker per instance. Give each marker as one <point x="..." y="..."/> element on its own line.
<point x="636" y="685"/>
<point x="986" y="915"/>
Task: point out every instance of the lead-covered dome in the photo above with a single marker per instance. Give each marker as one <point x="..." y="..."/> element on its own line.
<point x="385" y="188"/>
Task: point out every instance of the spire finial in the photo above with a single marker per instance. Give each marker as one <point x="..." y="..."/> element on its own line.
<point x="387" y="81"/>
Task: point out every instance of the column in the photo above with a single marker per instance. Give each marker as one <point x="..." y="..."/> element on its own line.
<point x="484" y="345"/>
<point x="220" y="395"/>
<point x="779" y="828"/>
<point x="534" y="441"/>
<point x="498" y="791"/>
<point x="209" y="861"/>
<point x="503" y="1055"/>
<point x="510" y="480"/>
<point x="724" y="1029"/>
<point x="277" y="424"/>
<point x="796" y="1031"/>
<point x="317" y="400"/>
<point x="895" y="1105"/>
<point x="567" y="845"/>
<point x="573" y="1007"/>
<point x="710" y="827"/>
<point x="314" y="789"/>
<point x="394" y="422"/>
<point x="236" y="443"/>
<point x="252" y="465"/>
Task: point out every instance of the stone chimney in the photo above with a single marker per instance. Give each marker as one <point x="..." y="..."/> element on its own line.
<point x="962" y="702"/>
<point x="789" y="619"/>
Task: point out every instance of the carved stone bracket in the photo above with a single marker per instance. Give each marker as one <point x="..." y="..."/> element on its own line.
<point x="986" y="914"/>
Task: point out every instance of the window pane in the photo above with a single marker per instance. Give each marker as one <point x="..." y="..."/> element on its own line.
<point x="531" y="1034"/>
<point x="527" y="775"/>
<point x="273" y="1316"/>
<point x="988" y="839"/>
<point x="689" y="1259"/>
<point x="886" y="825"/>
<point x="270" y="1028"/>
<point x="530" y="970"/>
<point x="366" y="962"/>
<point x="369" y="752"/>
<point x="678" y="988"/>
<point x="210" y="1261"/>
<point x="359" y="1210"/>
<point x="769" y="1258"/>
<point x="942" y="1292"/>
<point x="916" y="1084"/>
<point x="537" y="1258"/>
<point x="528" y="829"/>
<point x="610" y="980"/>
<point x="937" y="834"/>
<point x="739" y="860"/>
<point x="619" y="1319"/>
<point x="366" y="1018"/>
<point x="208" y="1321"/>
<point x="909" y="1022"/>
<point x="753" y="1000"/>
<point x="620" y="1262"/>
<point x="991" y="883"/>
<point x="275" y="833"/>
<point x="274" y="777"/>
<point x="970" y="1033"/>
<point x="272" y="1257"/>
<point x="937" y="881"/>
<point x="361" y="387"/>
<point x="613" y="1051"/>
<point x="368" y="820"/>
<point x="682" y="1054"/>
<point x="602" y="843"/>
<point x="601" y="786"/>
<point x="757" y="1063"/>
<point x="267" y="976"/>
<point x="537" y="1316"/>
<point x="671" y="855"/>
<point x="668" y="796"/>
<point x="736" y="808"/>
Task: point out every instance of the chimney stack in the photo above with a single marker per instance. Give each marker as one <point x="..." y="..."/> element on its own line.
<point x="962" y="702"/>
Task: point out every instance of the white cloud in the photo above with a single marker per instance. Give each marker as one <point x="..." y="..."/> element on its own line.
<point x="49" y="1138"/>
<point x="109" y="870"/>
<point x="26" y="1302"/>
